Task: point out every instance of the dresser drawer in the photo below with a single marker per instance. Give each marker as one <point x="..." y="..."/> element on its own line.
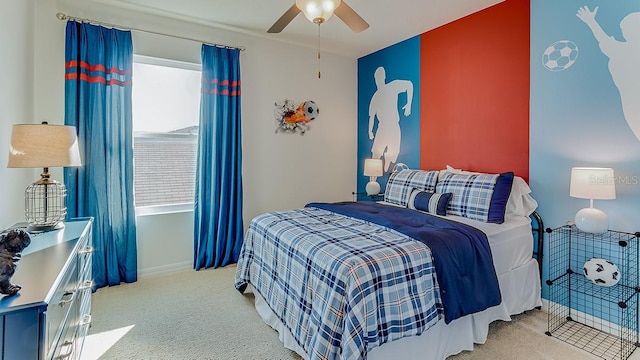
<point x="66" y="347"/>
<point x="85" y="253"/>
<point x="84" y="299"/>
<point x="62" y="300"/>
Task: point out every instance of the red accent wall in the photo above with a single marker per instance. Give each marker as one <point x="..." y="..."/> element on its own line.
<point x="475" y="92"/>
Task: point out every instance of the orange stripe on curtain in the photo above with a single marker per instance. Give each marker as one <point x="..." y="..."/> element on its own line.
<point x="96" y="67"/>
<point x="222" y="87"/>
<point x="96" y="79"/>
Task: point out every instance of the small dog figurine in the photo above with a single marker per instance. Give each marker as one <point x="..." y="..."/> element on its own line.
<point x="12" y="243"/>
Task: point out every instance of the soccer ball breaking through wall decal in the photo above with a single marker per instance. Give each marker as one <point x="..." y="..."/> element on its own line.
<point x="293" y="117"/>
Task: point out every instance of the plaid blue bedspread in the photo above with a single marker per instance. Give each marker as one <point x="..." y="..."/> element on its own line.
<point x="347" y="277"/>
<point x="341" y="285"/>
<point x="461" y="253"/>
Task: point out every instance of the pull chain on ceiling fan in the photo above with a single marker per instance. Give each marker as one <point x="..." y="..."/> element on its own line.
<point x="318" y="50"/>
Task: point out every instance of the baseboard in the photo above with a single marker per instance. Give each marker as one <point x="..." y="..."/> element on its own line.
<point x="545" y="305"/>
<point x="165" y="269"/>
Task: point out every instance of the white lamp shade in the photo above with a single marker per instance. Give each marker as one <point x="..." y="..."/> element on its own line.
<point x="43" y="146"/>
<point x="373" y="167"/>
<point x="317" y="11"/>
<point x="592" y="183"/>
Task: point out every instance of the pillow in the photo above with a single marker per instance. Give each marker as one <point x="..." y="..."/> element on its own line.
<point x="401" y="183"/>
<point x="477" y="196"/>
<point x="460" y="171"/>
<point x="520" y="202"/>
<point x="430" y="202"/>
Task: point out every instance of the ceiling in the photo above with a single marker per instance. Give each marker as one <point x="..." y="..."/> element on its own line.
<point x="390" y="21"/>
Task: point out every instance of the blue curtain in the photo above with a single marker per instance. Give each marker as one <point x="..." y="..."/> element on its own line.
<point x="98" y="63"/>
<point x="218" y="230"/>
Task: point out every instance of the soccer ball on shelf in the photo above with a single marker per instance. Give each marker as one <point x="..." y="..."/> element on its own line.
<point x="601" y="272"/>
<point x="560" y="55"/>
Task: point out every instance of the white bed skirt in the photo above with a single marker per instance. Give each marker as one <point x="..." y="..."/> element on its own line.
<point x="520" y="289"/>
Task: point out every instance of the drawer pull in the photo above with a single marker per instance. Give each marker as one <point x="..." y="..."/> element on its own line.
<point x="67" y="355"/>
<point x="86" y="320"/>
<point x="67" y="297"/>
<point x="86" y="250"/>
<point x="88" y="284"/>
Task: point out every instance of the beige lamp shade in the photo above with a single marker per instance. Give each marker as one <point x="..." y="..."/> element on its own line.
<point x="373" y="167"/>
<point x="317" y="11"/>
<point x="43" y="146"/>
<point x="592" y="183"/>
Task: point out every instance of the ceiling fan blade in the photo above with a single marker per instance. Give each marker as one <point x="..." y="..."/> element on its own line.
<point x="350" y="17"/>
<point x="284" y="20"/>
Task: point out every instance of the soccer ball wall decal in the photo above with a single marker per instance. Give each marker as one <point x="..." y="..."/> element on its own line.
<point x="311" y="109"/>
<point x="294" y="117"/>
<point x="601" y="272"/>
<point x="560" y="55"/>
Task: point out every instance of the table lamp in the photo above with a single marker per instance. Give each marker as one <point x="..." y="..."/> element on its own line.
<point x="372" y="169"/>
<point x="44" y="146"/>
<point x="592" y="183"/>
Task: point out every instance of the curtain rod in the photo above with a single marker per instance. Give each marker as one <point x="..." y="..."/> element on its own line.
<point x="63" y="16"/>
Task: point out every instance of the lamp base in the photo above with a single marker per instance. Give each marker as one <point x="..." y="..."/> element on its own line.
<point x="372" y="188"/>
<point x="592" y="220"/>
<point x="32" y="228"/>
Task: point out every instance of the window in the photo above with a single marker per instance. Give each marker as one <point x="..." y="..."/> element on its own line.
<point x="166" y="106"/>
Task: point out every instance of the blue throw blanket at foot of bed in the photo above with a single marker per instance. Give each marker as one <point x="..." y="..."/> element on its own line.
<point x="461" y="253"/>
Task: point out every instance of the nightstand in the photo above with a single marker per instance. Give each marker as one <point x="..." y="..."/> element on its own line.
<point x="362" y="196"/>
<point x="602" y="320"/>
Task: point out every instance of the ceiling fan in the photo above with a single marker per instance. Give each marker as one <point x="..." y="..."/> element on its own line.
<point x="319" y="11"/>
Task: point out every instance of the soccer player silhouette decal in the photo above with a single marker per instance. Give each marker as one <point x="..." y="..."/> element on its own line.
<point x="384" y="107"/>
<point x="624" y="61"/>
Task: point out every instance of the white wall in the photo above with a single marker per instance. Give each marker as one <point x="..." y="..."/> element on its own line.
<point x="16" y="101"/>
<point x="280" y="171"/>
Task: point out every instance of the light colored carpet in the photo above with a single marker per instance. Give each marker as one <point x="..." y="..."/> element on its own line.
<point x="199" y="315"/>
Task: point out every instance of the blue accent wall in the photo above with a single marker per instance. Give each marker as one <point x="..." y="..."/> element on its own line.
<point x="577" y="116"/>
<point x="401" y="62"/>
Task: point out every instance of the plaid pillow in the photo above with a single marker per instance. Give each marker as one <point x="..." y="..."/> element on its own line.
<point x="401" y="183"/>
<point x="481" y="197"/>
<point x="433" y="203"/>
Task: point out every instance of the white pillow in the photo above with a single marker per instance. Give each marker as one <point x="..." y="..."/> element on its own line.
<point x="520" y="202"/>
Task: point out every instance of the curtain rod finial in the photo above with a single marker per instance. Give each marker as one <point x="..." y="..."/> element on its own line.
<point x="61" y="16"/>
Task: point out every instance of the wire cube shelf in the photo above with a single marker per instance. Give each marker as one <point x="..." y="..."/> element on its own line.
<point x="602" y="320"/>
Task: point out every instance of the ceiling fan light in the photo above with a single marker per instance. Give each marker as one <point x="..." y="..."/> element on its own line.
<point x="317" y="11"/>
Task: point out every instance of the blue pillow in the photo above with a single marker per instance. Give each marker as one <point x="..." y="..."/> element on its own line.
<point x="430" y="202"/>
<point x="500" y="196"/>
<point x="481" y="197"/>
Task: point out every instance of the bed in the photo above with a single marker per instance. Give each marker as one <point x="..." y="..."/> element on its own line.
<point x="420" y="275"/>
